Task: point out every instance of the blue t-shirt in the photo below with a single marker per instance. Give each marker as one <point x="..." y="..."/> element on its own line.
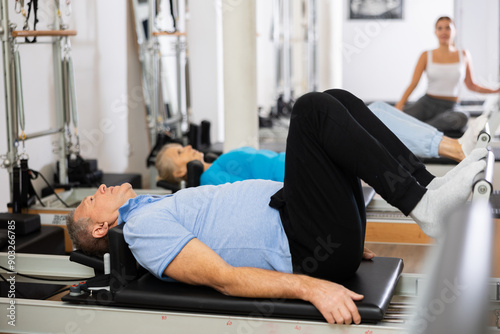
<point x="243" y="164"/>
<point x="235" y="220"/>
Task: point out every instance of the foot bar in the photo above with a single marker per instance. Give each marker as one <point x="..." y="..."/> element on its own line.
<point x="483" y="182"/>
<point x="484" y="137"/>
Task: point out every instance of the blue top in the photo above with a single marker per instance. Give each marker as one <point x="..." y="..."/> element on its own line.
<point x="235" y="220"/>
<point x="243" y="164"/>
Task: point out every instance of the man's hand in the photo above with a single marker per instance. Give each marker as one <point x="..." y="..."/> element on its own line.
<point x="335" y="302"/>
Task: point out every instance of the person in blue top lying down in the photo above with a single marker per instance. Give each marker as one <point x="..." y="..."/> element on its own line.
<point x="249" y="163"/>
<point x="293" y="239"/>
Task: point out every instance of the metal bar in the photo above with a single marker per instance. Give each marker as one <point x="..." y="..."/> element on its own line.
<point x="44" y="133"/>
<point x="20" y="42"/>
<point x="484" y="137"/>
<point x="8" y="76"/>
<point x="65" y="91"/>
<point x="483" y="182"/>
<point x="287" y="50"/>
<point x="59" y="103"/>
<point x="277" y="44"/>
<point x="180" y="79"/>
<point x="166" y="33"/>
<point x="19" y="90"/>
<point x="71" y="82"/>
<point x="312" y="46"/>
<point x="153" y="82"/>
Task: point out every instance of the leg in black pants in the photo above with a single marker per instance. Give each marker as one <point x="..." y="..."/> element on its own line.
<point x="321" y="202"/>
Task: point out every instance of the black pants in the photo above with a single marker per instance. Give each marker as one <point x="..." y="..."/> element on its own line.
<point x="333" y="141"/>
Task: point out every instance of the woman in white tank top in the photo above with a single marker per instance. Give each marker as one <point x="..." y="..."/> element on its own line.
<point x="446" y="68"/>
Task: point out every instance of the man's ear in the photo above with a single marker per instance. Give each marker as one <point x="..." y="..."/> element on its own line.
<point x="99" y="230"/>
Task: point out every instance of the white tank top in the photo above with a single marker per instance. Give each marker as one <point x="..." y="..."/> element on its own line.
<point x="445" y="79"/>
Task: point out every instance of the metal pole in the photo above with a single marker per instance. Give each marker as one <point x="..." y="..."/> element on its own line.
<point x="43" y="133"/>
<point x="10" y="112"/>
<point x="59" y="102"/>
<point x="154" y="81"/>
<point x="277" y="44"/>
<point x="287" y="26"/>
<point x="179" y="53"/>
<point x="312" y="45"/>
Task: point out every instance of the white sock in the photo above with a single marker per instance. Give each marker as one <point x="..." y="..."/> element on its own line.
<point x="469" y="138"/>
<point x="436" y="205"/>
<point x="474" y="156"/>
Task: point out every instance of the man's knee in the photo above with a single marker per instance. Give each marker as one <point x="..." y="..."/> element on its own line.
<point x="340" y="94"/>
<point x="309" y="102"/>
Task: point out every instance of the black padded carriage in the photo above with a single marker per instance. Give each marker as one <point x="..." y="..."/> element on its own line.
<point x="132" y="286"/>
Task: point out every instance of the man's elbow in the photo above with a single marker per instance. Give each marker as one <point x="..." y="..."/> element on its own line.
<point x="225" y="282"/>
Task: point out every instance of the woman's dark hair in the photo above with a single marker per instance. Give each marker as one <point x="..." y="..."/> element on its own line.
<point x="445" y="18"/>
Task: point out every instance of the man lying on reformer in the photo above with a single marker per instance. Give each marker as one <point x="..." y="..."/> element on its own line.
<point x="248" y="163"/>
<point x="256" y="238"/>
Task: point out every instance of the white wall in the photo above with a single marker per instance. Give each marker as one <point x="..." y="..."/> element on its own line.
<point x="205" y="48"/>
<point x="478" y="32"/>
<point x="379" y="56"/>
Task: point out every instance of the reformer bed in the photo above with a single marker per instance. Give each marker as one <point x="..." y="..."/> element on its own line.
<point x="131" y="286"/>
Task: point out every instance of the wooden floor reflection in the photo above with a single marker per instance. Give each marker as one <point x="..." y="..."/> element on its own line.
<point x="413" y="255"/>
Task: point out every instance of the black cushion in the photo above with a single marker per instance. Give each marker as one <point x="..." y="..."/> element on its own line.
<point x="48" y="240"/>
<point x="23" y="223"/>
<point x="375" y="279"/>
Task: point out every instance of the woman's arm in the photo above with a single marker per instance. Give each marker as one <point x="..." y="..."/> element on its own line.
<point x="197" y="264"/>
<point x="417" y="74"/>
<point x="469" y="80"/>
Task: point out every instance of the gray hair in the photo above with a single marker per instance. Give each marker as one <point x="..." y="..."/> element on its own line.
<point x="79" y="232"/>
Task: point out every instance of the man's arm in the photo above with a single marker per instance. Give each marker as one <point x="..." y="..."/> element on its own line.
<point x="197" y="264"/>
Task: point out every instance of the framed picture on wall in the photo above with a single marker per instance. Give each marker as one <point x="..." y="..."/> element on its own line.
<point x="375" y="9"/>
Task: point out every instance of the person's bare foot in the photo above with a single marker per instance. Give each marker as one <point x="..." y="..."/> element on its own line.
<point x="451" y="148"/>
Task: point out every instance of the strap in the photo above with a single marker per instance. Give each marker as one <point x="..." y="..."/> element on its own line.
<point x="33" y="3"/>
<point x="172" y="13"/>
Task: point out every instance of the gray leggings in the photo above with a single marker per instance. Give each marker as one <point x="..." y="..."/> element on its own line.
<point x="442" y="114"/>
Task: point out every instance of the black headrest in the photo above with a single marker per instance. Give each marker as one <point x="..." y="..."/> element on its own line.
<point x="168" y="185"/>
<point x="124" y="267"/>
<point x="194" y="170"/>
<point x="87" y="260"/>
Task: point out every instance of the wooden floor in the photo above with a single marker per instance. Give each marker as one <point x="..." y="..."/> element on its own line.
<point x="413" y="255"/>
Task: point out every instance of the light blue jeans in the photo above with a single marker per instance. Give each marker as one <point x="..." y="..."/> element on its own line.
<point x="421" y="138"/>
